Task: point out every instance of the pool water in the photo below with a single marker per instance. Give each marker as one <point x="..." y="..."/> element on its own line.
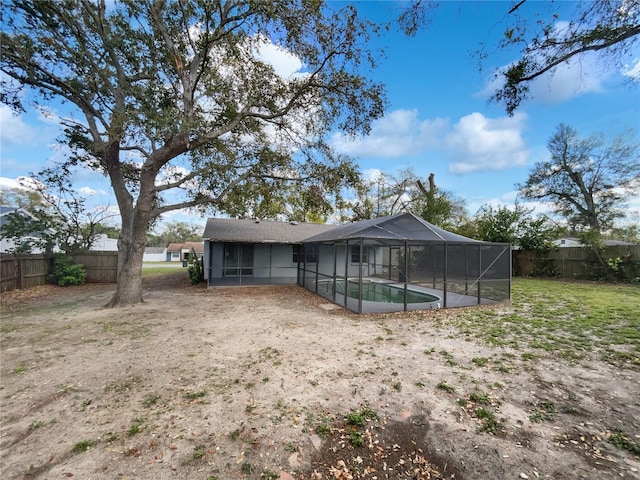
<point x="384" y="293"/>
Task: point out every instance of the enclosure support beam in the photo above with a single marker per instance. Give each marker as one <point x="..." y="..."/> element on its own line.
<point x="479" y="274"/>
<point x="317" y="249"/>
<point x="335" y="271"/>
<point x="360" y="277"/>
<point x="446" y="267"/>
<point x="510" y="270"/>
<point x="406" y="272"/>
<point x="346" y="273"/>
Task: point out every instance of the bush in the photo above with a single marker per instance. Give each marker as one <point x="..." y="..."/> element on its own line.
<point x="65" y="272"/>
<point x="195" y="268"/>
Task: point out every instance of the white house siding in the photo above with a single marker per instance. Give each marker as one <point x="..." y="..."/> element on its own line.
<point x="102" y="243"/>
<point x="154" y="257"/>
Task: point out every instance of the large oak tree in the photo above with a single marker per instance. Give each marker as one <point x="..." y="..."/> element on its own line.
<point x="178" y="106"/>
<point x="587" y="180"/>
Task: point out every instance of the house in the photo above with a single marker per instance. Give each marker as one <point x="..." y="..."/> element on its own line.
<point x="254" y="252"/>
<point x="575" y="242"/>
<point x="177" y="252"/>
<point x="155" y="254"/>
<point x="8" y="244"/>
<point x="391" y="263"/>
<point x="102" y="243"/>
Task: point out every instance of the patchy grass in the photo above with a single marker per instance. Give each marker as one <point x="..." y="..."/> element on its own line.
<point x="568" y="319"/>
<point x="360" y="417"/>
<point x="621" y="440"/>
<point x="156" y="269"/>
<point x="446" y="387"/>
<point x="82" y="446"/>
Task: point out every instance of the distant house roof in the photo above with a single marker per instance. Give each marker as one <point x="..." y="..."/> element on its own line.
<point x="575" y="242"/>
<point x="174" y="247"/>
<point x="178" y="247"/>
<point x="154" y="250"/>
<point x="614" y="243"/>
<point x="5" y="211"/>
<point x="197" y="246"/>
<point x="261" y="231"/>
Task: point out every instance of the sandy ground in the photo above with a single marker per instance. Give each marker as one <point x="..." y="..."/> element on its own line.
<point x="259" y="382"/>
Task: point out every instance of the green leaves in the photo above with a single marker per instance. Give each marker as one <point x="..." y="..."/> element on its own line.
<point x="586" y="180"/>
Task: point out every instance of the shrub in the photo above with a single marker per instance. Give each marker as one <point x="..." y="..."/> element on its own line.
<point x="195" y="268"/>
<point x="65" y="272"/>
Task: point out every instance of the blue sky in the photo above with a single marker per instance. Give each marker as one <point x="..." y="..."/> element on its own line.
<point x="438" y="119"/>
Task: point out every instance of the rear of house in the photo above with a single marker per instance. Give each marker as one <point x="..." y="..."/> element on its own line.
<point x="254" y="252"/>
<point x="384" y="264"/>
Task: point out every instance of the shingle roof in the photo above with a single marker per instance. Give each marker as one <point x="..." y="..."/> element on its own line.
<point x="6" y="210"/>
<point x="197" y="246"/>
<point x="178" y="247"/>
<point x="402" y="226"/>
<point x="261" y="231"/>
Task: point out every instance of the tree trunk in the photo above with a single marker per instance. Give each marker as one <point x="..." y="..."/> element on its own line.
<point x="129" y="276"/>
<point x="131" y="245"/>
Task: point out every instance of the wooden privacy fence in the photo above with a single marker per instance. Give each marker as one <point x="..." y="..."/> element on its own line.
<point x="26" y="271"/>
<point x="101" y="266"/>
<point x="573" y="262"/>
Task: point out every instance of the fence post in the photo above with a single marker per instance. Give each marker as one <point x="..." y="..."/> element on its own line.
<point x="20" y="273"/>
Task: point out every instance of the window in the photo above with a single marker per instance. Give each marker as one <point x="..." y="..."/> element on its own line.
<point x="355" y="255"/>
<point x="175" y="254"/>
<point x="310" y="253"/>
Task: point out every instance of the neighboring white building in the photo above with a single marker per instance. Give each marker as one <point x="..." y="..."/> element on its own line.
<point x="155" y="254"/>
<point x="7" y="244"/>
<point x="102" y="243"/>
<point x="575" y="242"/>
<point x="177" y="252"/>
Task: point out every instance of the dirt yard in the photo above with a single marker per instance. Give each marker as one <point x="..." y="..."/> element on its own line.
<point x="274" y="383"/>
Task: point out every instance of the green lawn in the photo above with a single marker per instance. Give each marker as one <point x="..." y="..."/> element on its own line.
<point x="570" y="319"/>
<point x="152" y="269"/>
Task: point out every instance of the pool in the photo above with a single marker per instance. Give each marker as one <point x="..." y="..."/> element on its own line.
<point x="381" y="292"/>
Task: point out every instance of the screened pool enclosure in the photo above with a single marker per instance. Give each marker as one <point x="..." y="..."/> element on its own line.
<point x="403" y="263"/>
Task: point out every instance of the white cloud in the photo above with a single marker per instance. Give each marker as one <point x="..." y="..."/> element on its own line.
<point x="284" y="62"/>
<point x="478" y="143"/>
<point x="475" y="143"/>
<point x="399" y="133"/>
<point x="13" y="129"/>
<point x="89" y="192"/>
<point x="21" y="183"/>
<point x="576" y="77"/>
<point x="633" y="70"/>
<point x="372" y="174"/>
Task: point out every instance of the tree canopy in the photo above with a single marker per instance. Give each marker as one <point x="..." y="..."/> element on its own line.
<point x="178" y="104"/>
<point x="406" y="192"/>
<point x="176" y="232"/>
<point x="609" y="28"/>
<point x="586" y="180"/>
<point x="516" y="225"/>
